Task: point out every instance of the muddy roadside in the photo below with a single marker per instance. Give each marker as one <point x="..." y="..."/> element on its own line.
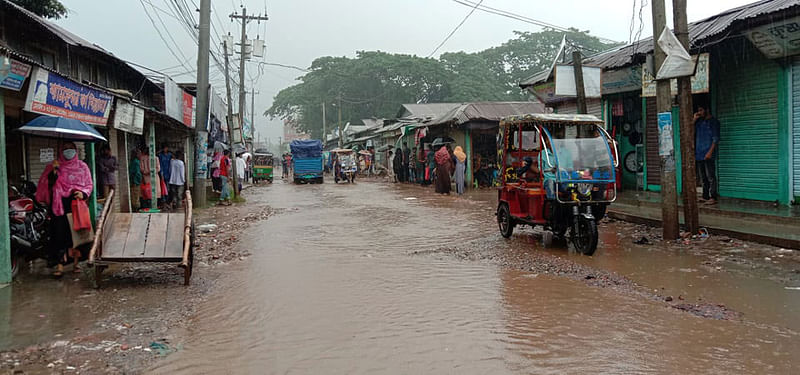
<point x="717" y="253"/>
<point x="123" y="327"/>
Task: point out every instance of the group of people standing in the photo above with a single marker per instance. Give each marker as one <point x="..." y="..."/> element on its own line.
<point x="222" y="173"/>
<point x="440" y="166"/>
<point x="170" y="176"/>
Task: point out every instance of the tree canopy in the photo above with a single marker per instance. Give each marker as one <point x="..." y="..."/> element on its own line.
<point x="375" y="84"/>
<point x="45" y="8"/>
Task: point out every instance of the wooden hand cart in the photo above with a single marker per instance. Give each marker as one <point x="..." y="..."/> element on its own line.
<point x="143" y="238"/>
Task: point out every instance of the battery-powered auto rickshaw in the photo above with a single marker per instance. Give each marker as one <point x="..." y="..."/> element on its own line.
<point x="345" y="166"/>
<point x="262" y="166"/>
<point x="558" y="173"/>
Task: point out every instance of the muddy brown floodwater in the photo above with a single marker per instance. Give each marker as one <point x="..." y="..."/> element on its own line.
<point x="358" y="279"/>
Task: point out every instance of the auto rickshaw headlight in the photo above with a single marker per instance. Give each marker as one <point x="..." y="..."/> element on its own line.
<point x="584" y="188"/>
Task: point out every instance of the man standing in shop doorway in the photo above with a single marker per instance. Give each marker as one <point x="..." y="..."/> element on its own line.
<point x="705" y="151"/>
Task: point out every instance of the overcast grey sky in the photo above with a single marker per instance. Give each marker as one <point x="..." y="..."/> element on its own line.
<point x="301" y="30"/>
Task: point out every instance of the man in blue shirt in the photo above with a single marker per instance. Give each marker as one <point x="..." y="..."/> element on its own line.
<point x="705" y="151"/>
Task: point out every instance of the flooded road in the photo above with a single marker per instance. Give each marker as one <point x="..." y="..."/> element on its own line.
<point x="346" y="279"/>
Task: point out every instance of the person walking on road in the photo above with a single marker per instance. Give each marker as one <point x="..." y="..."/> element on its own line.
<point x="108" y="166"/>
<point x="705" y="151"/>
<point x="398" y="165"/>
<point x="135" y="177"/>
<point x="406" y="159"/>
<point x="241" y="170"/>
<point x="444" y="164"/>
<point x="225" y="175"/>
<point x="177" y="179"/>
<point x="461" y="167"/>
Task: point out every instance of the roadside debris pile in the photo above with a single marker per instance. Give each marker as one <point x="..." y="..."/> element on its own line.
<point x="219" y="228"/>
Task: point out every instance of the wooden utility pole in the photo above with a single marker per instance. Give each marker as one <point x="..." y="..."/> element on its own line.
<point x="669" y="194"/>
<point x="688" y="182"/>
<point x="577" y="68"/>
<point x="253" y="111"/>
<point x="201" y="112"/>
<point x="340" y="121"/>
<point x="230" y="119"/>
<point x="324" y="127"/>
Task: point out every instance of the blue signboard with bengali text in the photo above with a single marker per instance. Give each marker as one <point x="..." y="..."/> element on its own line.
<point x="53" y="95"/>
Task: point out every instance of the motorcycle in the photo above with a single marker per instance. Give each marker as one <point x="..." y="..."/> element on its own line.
<point x="28" y="224"/>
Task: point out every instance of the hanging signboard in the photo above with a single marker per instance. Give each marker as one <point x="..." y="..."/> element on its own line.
<point x="128" y="117"/>
<point x="699" y="79"/>
<point x="565" y="81"/>
<point x="778" y="39"/>
<point x="189" y="106"/>
<point x="247" y="130"/>
<point x="678" y="62"/>
<point x="13" y="74"/>
<point x="622" y="80"/>
<point x="53" y="95"/>
<point x="178" y="103"/>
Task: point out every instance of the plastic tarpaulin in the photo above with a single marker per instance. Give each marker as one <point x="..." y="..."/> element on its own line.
<point x="304" y="149"/>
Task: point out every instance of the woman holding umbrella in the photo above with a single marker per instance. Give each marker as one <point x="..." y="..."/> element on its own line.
<point x="64" y="180"/>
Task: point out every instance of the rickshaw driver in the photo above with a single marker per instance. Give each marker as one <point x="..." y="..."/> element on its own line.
<point x="528" y="172"/>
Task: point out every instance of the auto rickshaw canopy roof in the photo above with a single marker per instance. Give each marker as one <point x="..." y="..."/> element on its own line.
<point x="551" y="118"/>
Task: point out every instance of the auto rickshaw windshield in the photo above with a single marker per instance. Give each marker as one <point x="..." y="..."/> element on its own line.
<point x="582" y="153"/>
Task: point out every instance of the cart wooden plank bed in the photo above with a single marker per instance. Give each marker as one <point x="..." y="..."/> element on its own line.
<point x="143" y="238"/>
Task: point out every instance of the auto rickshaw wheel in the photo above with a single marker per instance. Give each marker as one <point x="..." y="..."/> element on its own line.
<point x="505" y="221"/>
<point x="585" y="239"/>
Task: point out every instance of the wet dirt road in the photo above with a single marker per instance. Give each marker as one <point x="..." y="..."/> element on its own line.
<point x="348" y="279"/>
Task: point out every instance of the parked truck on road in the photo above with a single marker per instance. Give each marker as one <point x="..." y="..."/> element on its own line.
<point x="307" y="161"/>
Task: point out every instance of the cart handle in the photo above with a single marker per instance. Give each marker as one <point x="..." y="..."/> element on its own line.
<point x="187" y="230"/>
<point x="98" y="235"/>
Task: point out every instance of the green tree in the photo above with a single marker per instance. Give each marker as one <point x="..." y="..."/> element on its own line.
<point x="45" y="8"/>
<point x="372" y="84"/>
<point x="375" y="84"/>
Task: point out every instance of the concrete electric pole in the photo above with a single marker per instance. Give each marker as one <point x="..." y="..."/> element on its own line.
<point x="253" y="111"/>
<point x="230" y="118"/>
<point x="688" y="180"/>
<point x="243" y="52"/>
<point x="201" y="114"/>
<point x="669" y="194"/>
<point x="324" y="131"/>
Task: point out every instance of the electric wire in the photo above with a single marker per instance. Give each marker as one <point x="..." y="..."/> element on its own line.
<point x="456" y="28"/>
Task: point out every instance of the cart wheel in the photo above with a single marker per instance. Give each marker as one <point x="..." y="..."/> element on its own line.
<point x="98" y="275"/>
<point x="187" y="271"/>
<point x="505" y="221"/>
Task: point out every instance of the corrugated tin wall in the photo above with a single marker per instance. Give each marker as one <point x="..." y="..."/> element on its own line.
<point x="36" y="145"/>
<point x="593" y="106"/>
<point x="796" y="128"/>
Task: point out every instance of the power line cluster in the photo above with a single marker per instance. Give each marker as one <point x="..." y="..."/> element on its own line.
<point x="519" y="17"/>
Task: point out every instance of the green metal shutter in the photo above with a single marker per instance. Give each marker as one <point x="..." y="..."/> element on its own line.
<point x="796" y="128"/>
<point x="747" y="108"/>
